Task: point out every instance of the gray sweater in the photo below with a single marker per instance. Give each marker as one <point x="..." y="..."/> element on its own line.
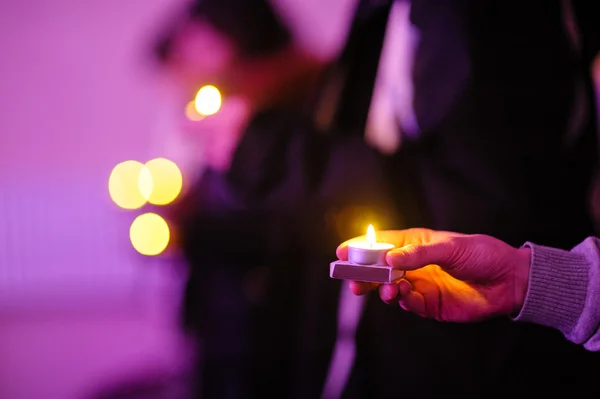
<point x="564" y="291"/>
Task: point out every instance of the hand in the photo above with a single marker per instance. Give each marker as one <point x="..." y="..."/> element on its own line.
<point x="452" y="277"/>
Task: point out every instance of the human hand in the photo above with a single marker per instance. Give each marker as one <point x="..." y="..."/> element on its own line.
<point x="450" y="276"/>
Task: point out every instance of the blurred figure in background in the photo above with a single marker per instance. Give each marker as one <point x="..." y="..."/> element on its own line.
<point x="493" y="140"/>
<point x="276" y="196"/>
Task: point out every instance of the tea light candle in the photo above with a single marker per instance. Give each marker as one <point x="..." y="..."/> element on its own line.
<point x="370" y="252"/>
<point x="366" y="262"/>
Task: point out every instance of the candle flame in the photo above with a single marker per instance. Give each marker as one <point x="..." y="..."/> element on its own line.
<point x="371" y="238"/>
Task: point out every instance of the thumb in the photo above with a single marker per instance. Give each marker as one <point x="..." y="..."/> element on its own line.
<point x="447" y="254"/>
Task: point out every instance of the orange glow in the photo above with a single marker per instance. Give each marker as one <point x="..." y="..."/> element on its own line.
<point x="149" y="234"/>
<point x="371" y="237"/>
<point x="207" y="101"/>
<point x="124" y="183"/>
<point x="191" y="113"/>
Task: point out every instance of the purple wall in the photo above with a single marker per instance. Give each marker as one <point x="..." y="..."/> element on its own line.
<point x="78" y="307"/>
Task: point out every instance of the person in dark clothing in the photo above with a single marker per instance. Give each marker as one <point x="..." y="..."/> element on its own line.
<point x="494" y="91"/>
<point x="496" y="86"/>
<point x="259" y="225"/>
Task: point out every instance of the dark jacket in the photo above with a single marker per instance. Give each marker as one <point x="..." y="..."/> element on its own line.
<point x="259" y="243"/>
<point x="494" y="90"/>
<point x="494" y="93"/>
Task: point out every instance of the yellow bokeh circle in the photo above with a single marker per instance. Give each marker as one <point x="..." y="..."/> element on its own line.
<point x="124" y="183"/>
<point x="166" y="182"/>
<point x="132" y="184"/>
<point x="149" y="234"/>
<point x="145" y="183"/>
<point x="207" y="101"/>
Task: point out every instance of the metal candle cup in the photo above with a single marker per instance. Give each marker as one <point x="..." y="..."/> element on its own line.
<point x="366" y="262"/>
<point x="365" y="253"/>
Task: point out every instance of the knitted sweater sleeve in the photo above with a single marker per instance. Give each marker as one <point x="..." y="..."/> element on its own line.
<point x="564" y="291"/>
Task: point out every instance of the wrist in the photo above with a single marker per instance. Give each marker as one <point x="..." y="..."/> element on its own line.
<point x="521" y="278"/>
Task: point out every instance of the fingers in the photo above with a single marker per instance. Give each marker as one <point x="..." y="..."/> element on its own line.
<point x="415" y="256"/>
<point x="404" y="288"/>
<point x="407" y="296"/>
<point x="361" y="288"/>
<point x="389" y="293"/>
<point x="411" y="299"/>
<point x="403" y="292"/>
<point x="399" y="238"/>
<point x="414" y="302"/>
<point x="342" y="251"/>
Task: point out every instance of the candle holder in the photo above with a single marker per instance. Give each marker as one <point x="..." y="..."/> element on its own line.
<point x="366" y="262"/>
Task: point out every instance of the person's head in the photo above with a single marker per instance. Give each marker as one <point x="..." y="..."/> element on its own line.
<point x="242" y="48"/>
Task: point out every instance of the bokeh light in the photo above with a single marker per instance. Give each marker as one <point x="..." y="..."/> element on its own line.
<point x="124" y="184"/>
<point x="191" y="113"/>
<point x="145" y="182"/>
<point x="208" y="100"/>
<point x="166" y="182"/>
<point x="149" y="234"/>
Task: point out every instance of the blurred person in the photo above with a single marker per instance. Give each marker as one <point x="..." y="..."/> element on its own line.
<point x="276" y="196"/>
<point x="454" y="277"/>
<point x="475" y="109"/>
<point x="243" y="49"/>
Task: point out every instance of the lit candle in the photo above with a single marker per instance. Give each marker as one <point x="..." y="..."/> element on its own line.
<point x="368" y="252"/>
<point x="366" y="262"/>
